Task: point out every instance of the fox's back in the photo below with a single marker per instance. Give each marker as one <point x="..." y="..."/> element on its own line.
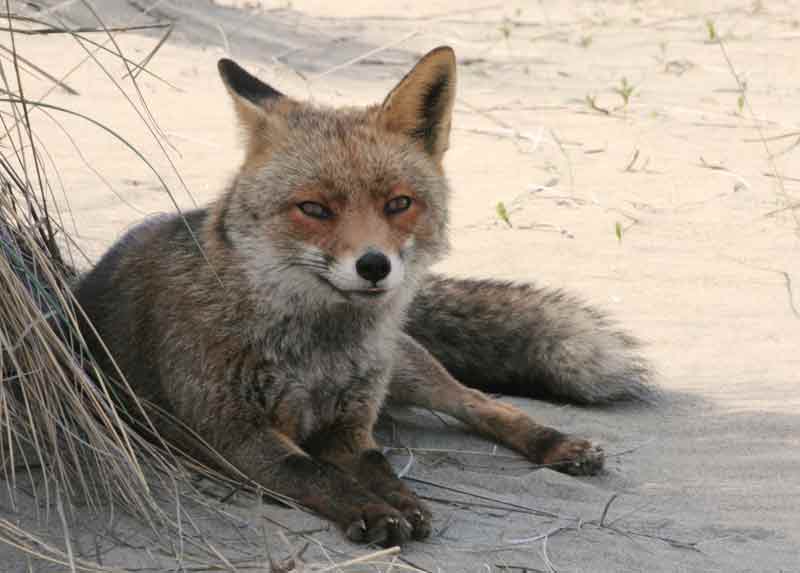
<point x="122" y="297"/>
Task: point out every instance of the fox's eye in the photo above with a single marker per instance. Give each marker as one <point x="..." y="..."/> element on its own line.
<point x="316" y="210"/>
<point x="397" y="205"/>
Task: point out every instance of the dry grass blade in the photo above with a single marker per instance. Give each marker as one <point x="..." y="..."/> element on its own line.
<point x="102" y="47"/>
<point x="531" y="510"/>
<point x="790" y="206"/>
<point x="41" y="71"/>
<point x="50" y="30"/>
<point x="156" y="48"/>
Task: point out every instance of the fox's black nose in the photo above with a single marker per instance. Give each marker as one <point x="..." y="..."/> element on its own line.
<point x="373" y="266"/>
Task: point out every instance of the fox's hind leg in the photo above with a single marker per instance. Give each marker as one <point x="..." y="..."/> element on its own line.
<point x="420" y="380"/>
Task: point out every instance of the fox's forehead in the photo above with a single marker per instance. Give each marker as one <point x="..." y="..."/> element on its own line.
<point x="342" y="154"/>
<point x="325" y="120"/>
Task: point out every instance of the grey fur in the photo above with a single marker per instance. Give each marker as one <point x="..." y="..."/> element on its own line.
<point x="528" y="341"/>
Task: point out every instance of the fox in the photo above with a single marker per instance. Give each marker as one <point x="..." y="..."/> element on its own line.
<point x="278" y="321"/>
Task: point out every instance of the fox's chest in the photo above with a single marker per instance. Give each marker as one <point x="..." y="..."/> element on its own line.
<point x="321" y="390"/>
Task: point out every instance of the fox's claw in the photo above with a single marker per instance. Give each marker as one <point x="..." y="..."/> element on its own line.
<point x="382" y="525"/>
<point x="421" y="522"/>
<point x="415" y="512"/>
<point x="390" y="531"/>
<point x="357" y="531"/>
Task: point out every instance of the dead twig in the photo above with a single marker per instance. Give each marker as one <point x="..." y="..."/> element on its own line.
<point x="84" y="30"/>
<point x="545" y="557"/>
<point x="532" y="510"/>
<point x="606" y="508"/>
<point x="591" y="101"/>
<point x="785" y="177"/>
<point x="787" y="281"/>
<point x="741" y="181"/>
<point x="770" y="157"/>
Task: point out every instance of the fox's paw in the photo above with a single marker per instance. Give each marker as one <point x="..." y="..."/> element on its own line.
<point x="415" y="512"/>
<point x="564" y="453"/>
<point x="381" y="524"/>
<point x="574" y="456"/>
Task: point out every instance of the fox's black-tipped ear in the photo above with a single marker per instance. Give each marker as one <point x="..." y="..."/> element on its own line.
<point x="250" y="95"/>
<point x="240" y="83"/>
<point x="421" y="105"/>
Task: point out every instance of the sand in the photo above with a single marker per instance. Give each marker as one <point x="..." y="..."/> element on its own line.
<point x="669" y="209"/>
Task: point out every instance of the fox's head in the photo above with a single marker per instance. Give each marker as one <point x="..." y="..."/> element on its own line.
<point x="350" y="202"/>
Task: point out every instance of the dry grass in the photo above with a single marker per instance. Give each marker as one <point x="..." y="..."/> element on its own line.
<point x="62" y="440"/>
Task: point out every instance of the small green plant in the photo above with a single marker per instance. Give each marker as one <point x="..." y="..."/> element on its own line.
<point x="505" y="28"/>
<point x="625" y="91"/>
<point x="742" y="99"/>
<point x="502" y="213"/>
<point x="618" y="230"/>
<point x="711" y="29"/>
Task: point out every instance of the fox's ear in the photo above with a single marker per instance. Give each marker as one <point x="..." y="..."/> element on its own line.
<point x="250" y="95"/>
<point x="421" y="105"/>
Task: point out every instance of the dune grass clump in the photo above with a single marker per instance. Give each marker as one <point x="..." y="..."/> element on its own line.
<point x="61" y="434"/>
<point x="66" y="446"/>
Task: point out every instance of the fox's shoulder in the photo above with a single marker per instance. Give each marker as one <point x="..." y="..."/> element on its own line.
<point x="171" y="228"/>
<point x="157" y="234"/>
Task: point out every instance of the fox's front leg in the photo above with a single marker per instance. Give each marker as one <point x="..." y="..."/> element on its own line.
<point x="278" y="464"/>
<point x="420" y="380"/>
<point x="353" y="449"/>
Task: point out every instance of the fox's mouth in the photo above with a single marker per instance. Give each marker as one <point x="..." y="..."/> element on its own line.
<point x="369" y="292"/>
<point x="373" y="292"/>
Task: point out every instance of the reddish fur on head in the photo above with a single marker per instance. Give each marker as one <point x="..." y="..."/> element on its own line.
<point x="350" y="161"/>
<point x="355" y="224"/>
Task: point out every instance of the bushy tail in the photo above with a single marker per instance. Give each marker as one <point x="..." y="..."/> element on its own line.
<point x="527" y="341"/>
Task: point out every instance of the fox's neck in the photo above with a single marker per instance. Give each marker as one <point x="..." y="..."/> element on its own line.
<point x="301" y="331"/>
<point x="283" y="310"/>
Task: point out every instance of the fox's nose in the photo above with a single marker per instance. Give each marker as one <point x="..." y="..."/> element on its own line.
<point x="373" y="266"/>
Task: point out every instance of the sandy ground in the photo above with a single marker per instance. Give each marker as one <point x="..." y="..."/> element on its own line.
<point x="668" y="208"/>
